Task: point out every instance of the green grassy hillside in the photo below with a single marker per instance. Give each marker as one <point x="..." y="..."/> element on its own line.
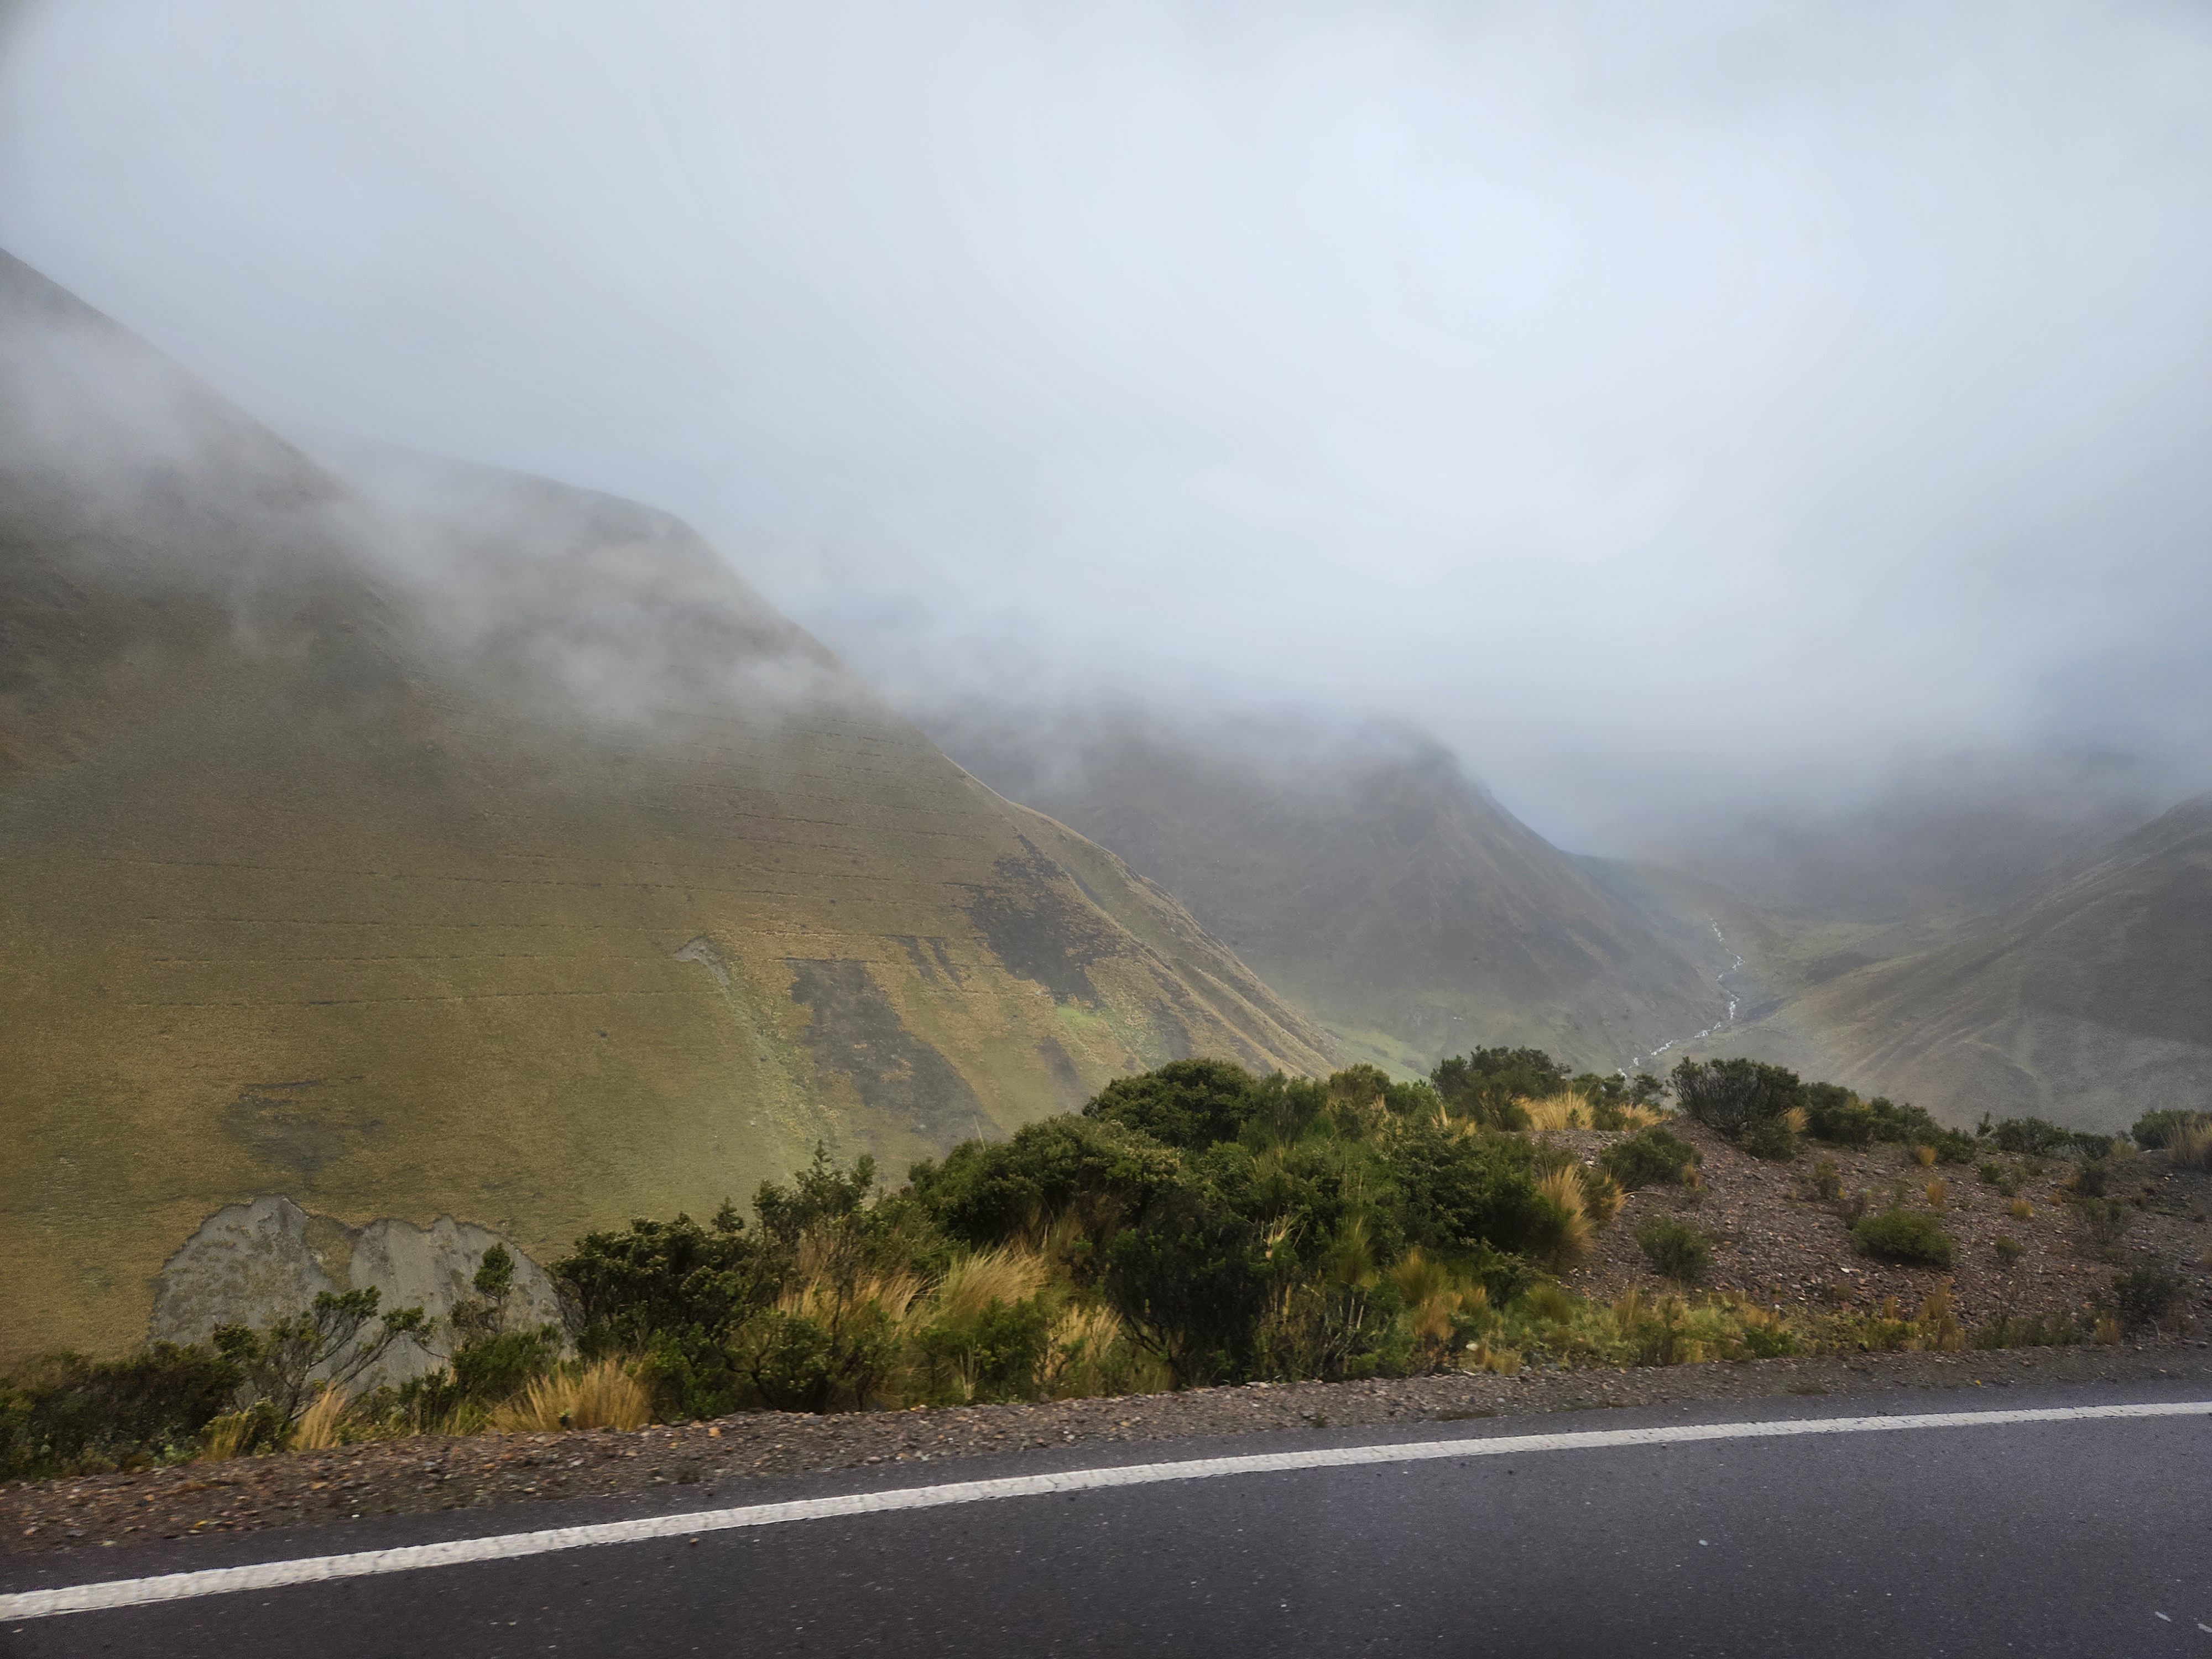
<point x="486" y="850"/>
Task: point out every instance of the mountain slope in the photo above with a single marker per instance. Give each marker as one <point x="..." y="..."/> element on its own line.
<point x="1366" y="877"/>
<point x="465" y="844"/>
<point x="2089" y="1003"/>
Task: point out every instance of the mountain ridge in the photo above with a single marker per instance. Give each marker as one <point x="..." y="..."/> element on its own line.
<point x="491" y="853"/>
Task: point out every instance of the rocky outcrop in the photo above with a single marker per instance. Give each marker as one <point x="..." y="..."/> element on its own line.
<point x="251" y="1263"/>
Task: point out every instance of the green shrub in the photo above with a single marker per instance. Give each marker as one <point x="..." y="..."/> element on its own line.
<point x="1732" y="1095"/>
<point x="1485" y="1084"/>
<point x="2044" y="1330"/>
<point x="498" y="1368"/>
<point x="2105" y="1222"/>
<point x="1650" y="1158"/>
<point x="1675" y="1248"/>
<point x="2146" y="1294"/>
<point x="996" y="1354"/>
<point x="2033" y="1137"/>
<point x="2157" y="1128"/>
<point x="2008" y="1249"/>
<point x="1835" y="1114"/>
<point x="1770" y="1138"/>
<point x="1904" y="1236"/>
<point x="1823" y="1184"/>
<point x="65" y="1414"/>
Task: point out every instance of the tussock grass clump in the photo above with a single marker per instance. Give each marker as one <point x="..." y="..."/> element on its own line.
<point x="606" y="1395"/>
<point x="317" y="1427"/>
<point x="1613" y="1115"/>
<point x="2191" y="1146"/>
<point x="2021" y="1210"/>
<point x="1564" y="1110"/>
<point x="1925" y="1157"/>
<point x="1904" y="1236"/>
<point x="1007" y="1274"/>
<point x="227" y="1436"/>
<point x="1939" y="1193"/>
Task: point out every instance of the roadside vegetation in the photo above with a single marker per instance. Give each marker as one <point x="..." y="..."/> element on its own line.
<point x="1192" y="1225"/>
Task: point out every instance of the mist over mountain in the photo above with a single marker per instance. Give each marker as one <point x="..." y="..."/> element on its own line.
<point x="2088" y="1001"/>
<point x="456" y="842"/>
<point x="1361" y="872"/>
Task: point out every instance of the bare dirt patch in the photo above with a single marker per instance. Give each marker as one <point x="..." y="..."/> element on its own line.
<point x="1776" y="1242"/>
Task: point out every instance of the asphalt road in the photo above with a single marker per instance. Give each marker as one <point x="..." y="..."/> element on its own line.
<point x="2065" y="1538"/>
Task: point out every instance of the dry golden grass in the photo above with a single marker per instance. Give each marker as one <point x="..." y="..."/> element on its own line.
<point x="1564" y="1187"/>
<point x="1088" y="1353"/>
<point x="1798" y="1119"/>
<point x="2191" y="1147"/>
<point x="1564" y="1110"/>
<point x="1925" y="1157"/>
<point x="1939" y="1191"/>
<point x="1632" y="1118"/>
<point x="317" y="1427"/>
<point x="1008" y="1274"/>
<point x="605" y="1396"/>
<point x="221" y="1440"/>
<point x="1500" y="1362"/>
<point x="2021" y="1210"/>
<point x="2108" y="1329"/>
<point x="1434" y="1296"/>
<point x="826" y="1298"/>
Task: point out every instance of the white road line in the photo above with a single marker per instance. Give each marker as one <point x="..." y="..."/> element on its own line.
<point x="508" y="1547"/>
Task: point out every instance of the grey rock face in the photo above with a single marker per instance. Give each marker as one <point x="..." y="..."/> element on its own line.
<point x="251" y="1263"/>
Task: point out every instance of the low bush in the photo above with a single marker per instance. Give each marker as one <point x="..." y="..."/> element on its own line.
<point x="2156" y="1129"/>
<point x="1770" y="1138"/>
<point x="1651" y="1159"/>
<point x="65" y="1414"/>
<point x="2043" y="1330"/>
<point x="1904" y="1236"/>
<point x="1824" y="1185"/>
<point x="2145" y="1295"/>
<point x="1835" y="1114"/>
<point x="2032" y="1137"/>
<point x="2105" y="1222"/>
<point x="1732" y="1095"/>
<point x="1675" y="1248"/>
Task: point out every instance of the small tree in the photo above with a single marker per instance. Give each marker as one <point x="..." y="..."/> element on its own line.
<point x="338" y="1340"/>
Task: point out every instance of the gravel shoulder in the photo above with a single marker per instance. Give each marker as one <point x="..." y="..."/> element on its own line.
<point x="1774" y="1242"/>
<point x="322" y="1490"/>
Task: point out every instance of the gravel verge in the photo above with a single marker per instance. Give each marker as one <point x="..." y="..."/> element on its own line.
<point x="316" y="1489"/>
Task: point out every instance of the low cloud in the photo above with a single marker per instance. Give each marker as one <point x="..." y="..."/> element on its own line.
<point x="1684" y="415"/>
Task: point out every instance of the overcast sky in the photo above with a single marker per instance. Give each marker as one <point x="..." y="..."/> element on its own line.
<point x="1651" y="401"/>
